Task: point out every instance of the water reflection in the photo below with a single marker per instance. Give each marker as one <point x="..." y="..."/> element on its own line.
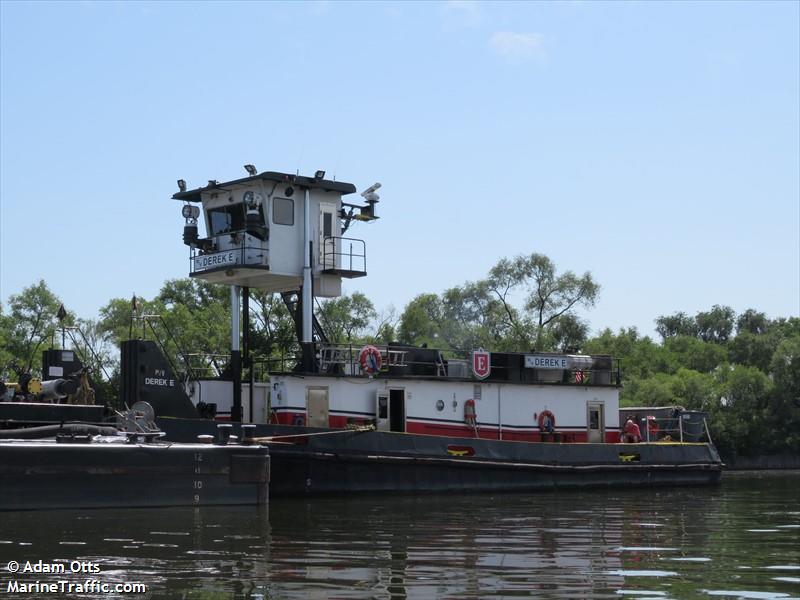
<point x="740" y="539"/>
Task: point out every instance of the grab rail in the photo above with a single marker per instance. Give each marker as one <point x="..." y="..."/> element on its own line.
<point x="335" y="258"/>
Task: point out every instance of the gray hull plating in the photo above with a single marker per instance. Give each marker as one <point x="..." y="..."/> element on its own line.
<point x="345" y="462"/>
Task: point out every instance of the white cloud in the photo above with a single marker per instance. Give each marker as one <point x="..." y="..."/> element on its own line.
<point x="393" y="12"/>
<point x="318" y="7"/>
<point x="461" y="13"/>
<point x="518" y="46"/>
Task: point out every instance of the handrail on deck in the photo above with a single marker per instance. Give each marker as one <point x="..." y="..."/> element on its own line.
<point x="671" y="429"/>
<point x="348" y="255"/>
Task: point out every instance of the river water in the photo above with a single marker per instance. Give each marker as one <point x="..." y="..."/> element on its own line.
<point x="737" y="540"/>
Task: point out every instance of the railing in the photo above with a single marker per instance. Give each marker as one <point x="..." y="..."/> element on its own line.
<point x="264" y="367"/>
<point x="213" y="366"/>
<point x="207" y="365"/>
<point x="344" y="256"/>
<point x="396" y="361"/>
<point x="689" y="426"/>
<point x="346" y="358"/>
<point x="401" y="361"/>
<point x="227" y="250"/>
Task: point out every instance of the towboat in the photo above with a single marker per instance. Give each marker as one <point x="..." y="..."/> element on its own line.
<point x="419" y="426"/>
<point x="340" y="419"/>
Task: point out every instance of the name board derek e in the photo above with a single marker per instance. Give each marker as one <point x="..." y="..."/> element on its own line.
<point x="216" y="260"/>
<point x="546" y="361"/>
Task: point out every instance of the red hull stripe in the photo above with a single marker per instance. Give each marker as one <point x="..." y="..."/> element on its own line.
<point x="506" y="427"/>
<point x="456" y="429"/>
<point x="455" y="423"/>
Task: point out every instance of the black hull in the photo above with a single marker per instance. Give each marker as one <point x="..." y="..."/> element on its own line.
<point x="47" y="475"/>
<point x="345" y="462"/>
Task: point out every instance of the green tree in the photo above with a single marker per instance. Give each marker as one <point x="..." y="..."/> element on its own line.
<point x="98" y="353"/>
<point x="715" y="325"/>
<point x="785" y="368"/>
<point x="785" y="403"/>
<point x="547" y="296"/>
<point x="523" y="303"/>
<point x="6" y="358"/>
<point x="738" y="420"/>
<point x="652" y="391"/>
<point x="695" y="390"/>
<point x="692" y="353"/>
<point x="745" y="388"/>
<point x="385" y="327"/>
<point x="31" y="324"/>
<point x="678" y="323"/>
<point x="569" y="333"/>
<point x="117" y="317"/>
<point x="752" y="321"/>
<point x="640" y="357"/>
<point x="420" y="321"/>
<point x="193" y="330"/>
<point x="472" y="318"/>
<point x="272" y="334"/>
<point x="752" y="349"/>
<point x="345" y="319"/>
<point x="194" y="294"/>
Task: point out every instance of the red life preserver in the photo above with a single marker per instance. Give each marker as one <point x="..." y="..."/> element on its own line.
<point x="470" y="416"/>
<point x="370" y="359"/>
<point x="652" y="427"/>
<point x="547" y="421"/>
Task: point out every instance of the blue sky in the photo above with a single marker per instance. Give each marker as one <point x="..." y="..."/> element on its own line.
<point x="656" y="145"/>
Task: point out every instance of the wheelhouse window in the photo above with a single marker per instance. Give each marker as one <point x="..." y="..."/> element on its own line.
<point x="225" y="219"/>
<point x="327" y="224"/>
<point x="283" y="211"/>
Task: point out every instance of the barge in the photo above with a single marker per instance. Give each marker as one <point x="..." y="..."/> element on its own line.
<point x="85" y="466"/>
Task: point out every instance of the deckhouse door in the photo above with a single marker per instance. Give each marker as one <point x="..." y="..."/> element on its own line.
<point x="382" y="410"/>
<point x="328" y="258"/>
<point x="397" y="410"/>
<point x="596" y="422"/>
<point x="317" y="406"/>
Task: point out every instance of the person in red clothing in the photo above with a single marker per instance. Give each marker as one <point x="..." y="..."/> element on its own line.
<point x="633" y="434"/>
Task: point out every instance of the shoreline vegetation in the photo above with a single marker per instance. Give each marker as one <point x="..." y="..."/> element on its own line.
<point x="742" y="369"/>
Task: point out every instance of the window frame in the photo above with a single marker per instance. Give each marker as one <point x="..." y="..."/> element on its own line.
<point x="274" y="214"/>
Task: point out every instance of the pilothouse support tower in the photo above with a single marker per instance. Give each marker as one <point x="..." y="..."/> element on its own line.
<point x="279" y="233"/>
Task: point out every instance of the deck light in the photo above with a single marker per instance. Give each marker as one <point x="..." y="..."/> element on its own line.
<point x="190" y="212"/>
<point x="319" y="175"/>
<point x="251" y="170"/>
<point x="182" y="185"/>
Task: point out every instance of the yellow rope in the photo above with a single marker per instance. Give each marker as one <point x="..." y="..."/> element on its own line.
<point x="275" y="438"/>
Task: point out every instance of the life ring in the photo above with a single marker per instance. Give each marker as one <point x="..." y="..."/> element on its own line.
<point x="370" y="359"/>
<point x="547" y="421"/>
<point x="470" y="416"/>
